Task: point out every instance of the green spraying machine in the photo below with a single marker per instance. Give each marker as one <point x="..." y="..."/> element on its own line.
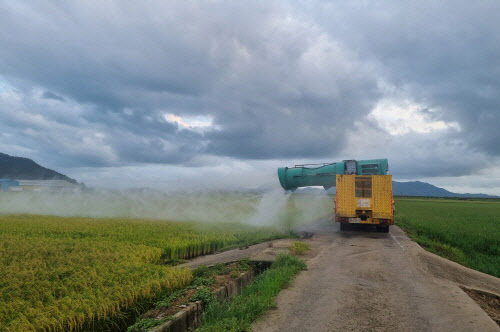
<point x="363" y="189"/>
<point x="323" y="175"/>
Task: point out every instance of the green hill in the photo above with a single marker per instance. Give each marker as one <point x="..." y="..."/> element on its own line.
<point x="26" y="169"/>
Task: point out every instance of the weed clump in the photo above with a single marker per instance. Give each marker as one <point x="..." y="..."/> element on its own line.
<point x="201" y="271"/>
<point x="220" y="269"/>
<point x="146" y="324"/>
<point x="299" y="247"/>
<point x="203" y="294"/>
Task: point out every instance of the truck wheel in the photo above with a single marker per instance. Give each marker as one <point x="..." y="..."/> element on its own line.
<point x="384" y="228"/>
<point x="344" y="226"/>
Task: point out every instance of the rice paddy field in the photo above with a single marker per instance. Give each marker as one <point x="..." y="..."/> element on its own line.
<point x="106" y="257"/>
<point x="62" y="274"/>
<point x="465" y="231"/>
<point x="85" y="272"/>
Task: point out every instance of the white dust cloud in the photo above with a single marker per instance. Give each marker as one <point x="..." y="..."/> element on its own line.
<point x="274" y="208"/>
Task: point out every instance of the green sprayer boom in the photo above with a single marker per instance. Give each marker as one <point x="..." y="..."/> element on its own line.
<point x="324" y="174"/>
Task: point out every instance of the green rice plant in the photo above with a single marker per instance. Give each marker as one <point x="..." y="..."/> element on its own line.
<point x="66" y="274"/>
<point x="467" y="232"/>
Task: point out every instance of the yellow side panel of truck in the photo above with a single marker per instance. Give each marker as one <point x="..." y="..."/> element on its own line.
<point x="382" y="196"/>
<point x="345" y="200"/>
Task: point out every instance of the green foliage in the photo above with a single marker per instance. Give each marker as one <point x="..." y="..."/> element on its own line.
<point x="63" y="274"/>
<point x="220" y="269"/>
<point x="466" y="232"/>
<point x="244" y="265"/>
<point x="299" y="247"/>
<point x="203" y="294"/>
<point x="203" y="275"/>
<point x="202" y="271"/>
<point x="146" y="324"/>
<point x="167" y="301"/>
<point x="237" y="314"/>
<point x="287" y="261"/>
<point x="200" y="281"/>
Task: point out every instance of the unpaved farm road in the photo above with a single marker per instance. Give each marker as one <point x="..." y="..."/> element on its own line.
<point x="368" y="281"/>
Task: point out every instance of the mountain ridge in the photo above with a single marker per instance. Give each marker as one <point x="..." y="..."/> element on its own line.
<point x="418" y="188"/>
<point x="21" y="168"/>
<point x="409" y="188"/>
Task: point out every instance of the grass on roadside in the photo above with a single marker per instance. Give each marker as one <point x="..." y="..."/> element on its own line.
<point x="237" y="314"/>
<point x="466" y="232"/>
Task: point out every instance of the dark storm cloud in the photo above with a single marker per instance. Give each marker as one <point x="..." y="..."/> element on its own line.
<point x="276" y="79"/>
<point x="446" y="54"/>
<point x="274" y="85"/>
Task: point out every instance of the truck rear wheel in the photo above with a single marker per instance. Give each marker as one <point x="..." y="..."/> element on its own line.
<point x="344" y="226"/>
<point x="383" y="228"/>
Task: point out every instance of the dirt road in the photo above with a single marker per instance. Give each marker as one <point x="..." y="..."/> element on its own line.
<point x="371" y="281"/>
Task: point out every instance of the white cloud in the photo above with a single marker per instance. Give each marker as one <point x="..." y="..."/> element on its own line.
<point x="190" y="122"/>
<point x="399" y="117"/>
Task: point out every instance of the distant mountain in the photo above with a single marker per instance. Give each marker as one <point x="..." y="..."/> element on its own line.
<point x="26" y="169"/>
<point x="417" y="188"/>
<point x="412" y="188"/>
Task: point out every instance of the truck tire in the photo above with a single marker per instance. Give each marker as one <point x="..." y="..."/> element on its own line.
<point x="344" y="226"/>
<point x="383" y="228"/>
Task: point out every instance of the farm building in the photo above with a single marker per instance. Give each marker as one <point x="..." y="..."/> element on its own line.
<point x="47" y="185"/>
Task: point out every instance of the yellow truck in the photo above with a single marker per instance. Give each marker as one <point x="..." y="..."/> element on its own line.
<point x="364" y="199"/>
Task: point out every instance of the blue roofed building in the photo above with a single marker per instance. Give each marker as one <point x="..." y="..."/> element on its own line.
<point x="5" y="184"/>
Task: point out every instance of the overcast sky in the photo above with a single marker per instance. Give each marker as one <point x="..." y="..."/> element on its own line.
<point x="218" y="94"/>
